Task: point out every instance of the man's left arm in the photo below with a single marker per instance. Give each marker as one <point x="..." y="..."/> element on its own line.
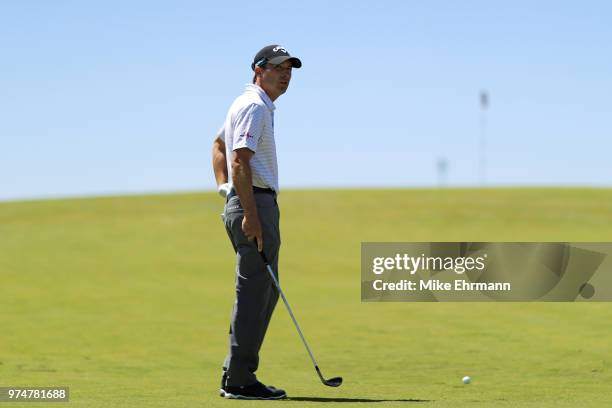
<point x="219" y="162"/>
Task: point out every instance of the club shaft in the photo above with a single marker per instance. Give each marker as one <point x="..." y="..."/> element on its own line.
<point x="297" y="326"/>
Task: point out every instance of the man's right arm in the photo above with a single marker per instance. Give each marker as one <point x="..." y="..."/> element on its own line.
<point x="243" y="184"/>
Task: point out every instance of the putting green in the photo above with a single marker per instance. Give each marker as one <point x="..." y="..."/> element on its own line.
<point x="127" y="300"/>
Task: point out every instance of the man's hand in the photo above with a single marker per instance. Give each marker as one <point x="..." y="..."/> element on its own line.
<point x="224" y="189"/>
<point x="252" y="229"/>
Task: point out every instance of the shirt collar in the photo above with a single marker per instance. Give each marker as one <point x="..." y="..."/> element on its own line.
<point x="262" y="94"/>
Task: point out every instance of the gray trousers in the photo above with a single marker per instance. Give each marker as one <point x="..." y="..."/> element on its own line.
<point x="256" y="295"/>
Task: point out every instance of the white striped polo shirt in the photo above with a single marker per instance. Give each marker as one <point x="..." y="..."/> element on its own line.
<point x="250" y="123"/>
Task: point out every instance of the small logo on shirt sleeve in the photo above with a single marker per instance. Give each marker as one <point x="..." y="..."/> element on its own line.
<point x="247" y="135"/>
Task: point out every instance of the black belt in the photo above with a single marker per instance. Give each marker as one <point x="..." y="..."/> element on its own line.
<point x="259" y="190"/>
<point x="256" y="190"/>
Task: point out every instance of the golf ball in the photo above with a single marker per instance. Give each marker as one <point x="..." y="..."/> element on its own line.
<point x="467" y="380"/>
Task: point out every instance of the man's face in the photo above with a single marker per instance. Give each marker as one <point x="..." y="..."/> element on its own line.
<point x="275" y="78"/>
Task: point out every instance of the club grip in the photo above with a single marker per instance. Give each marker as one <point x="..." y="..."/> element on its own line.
<point x="263" y="255"/>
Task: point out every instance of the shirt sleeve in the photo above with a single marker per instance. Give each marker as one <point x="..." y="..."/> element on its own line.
<point x="249" y="127"/>
<point x="221" y="133"/>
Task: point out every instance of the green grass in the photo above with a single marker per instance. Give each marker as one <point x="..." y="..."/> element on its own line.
<point x="127" y="301"/>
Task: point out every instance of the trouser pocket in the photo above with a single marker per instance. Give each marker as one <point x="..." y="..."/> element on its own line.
<point x="269" y="219"/>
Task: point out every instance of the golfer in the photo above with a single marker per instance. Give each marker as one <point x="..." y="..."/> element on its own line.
<point x="244" y="162"/>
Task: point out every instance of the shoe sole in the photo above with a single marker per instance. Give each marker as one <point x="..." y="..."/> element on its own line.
<point x="228" y="395"/>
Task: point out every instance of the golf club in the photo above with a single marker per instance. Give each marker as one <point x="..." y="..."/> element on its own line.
<point x="332" y="382"/>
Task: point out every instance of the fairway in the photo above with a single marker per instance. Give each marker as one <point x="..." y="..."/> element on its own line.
<point x="127" y="301"/>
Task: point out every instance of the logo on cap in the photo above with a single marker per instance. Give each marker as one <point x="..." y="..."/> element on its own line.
<point x="279" y="48"/>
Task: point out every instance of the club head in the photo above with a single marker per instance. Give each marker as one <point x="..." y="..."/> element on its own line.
<point x="333" y="382"/>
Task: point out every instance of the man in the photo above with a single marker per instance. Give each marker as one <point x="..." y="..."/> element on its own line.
<point x="245" y="153"/>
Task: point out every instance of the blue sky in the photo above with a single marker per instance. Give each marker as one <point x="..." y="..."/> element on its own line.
<point x="112" y="97"/>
